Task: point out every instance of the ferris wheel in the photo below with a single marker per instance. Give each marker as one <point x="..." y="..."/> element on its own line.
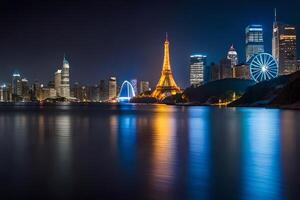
<point x="263" y="67"/>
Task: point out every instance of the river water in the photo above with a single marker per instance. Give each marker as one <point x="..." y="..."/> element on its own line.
<point x="149" y="152"/>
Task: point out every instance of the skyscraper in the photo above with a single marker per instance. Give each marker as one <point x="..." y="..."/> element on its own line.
<point x="233" y="56"/>
<point x="214" y="72"/>
<point x="65" y="78"/>
<point x="103" y="90"/>
<point x="57" y="82"/>
<point x="242" y="71"/>
<point x="112" y="88"/>
<point x="254" y="41"/>
<point x="284" y="47"/>
<point x="144" y="86"/>
<point x="197" y="69"/>
<point x="16" y="84"/>
<point x="4" y="93"/>
<point x="25" y="89"/>
<point x="225" y="68"/>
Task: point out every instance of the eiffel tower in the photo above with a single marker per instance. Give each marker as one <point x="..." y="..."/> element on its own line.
<point x="166" y="85"/>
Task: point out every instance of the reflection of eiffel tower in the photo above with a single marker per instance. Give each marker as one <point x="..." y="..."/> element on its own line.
<point x="166" y="85"/>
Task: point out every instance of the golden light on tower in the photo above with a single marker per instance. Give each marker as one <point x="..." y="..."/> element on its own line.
<point x="166" y="85"/>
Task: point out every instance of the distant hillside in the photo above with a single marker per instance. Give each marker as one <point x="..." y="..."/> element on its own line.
<point x="282" y="91"/>
<point x="212" y="91"/>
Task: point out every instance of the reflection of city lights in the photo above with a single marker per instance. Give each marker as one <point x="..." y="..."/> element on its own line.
<point x="199" y="150"/>
<point x="164" y="148"/>
<point x="261" y="171"/>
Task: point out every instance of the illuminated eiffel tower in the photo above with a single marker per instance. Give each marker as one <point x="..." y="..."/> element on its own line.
<point x="166" y="85"/>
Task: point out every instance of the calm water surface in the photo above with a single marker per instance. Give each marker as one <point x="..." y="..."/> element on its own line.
<point x="149" y="152"/>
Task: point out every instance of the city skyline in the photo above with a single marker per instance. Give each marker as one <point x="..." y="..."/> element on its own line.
<point x="92" y="60"/>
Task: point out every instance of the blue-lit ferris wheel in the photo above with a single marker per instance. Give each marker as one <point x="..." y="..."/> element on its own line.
<point x="263" y="67"/>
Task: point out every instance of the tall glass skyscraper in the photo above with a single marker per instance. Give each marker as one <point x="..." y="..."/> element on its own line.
<point x="254" y="41"/>
<point x="197" y="69"/>
<point x="16" y="84"/>
<point x="65" y="79"/>
<point x="284" y="47"/>
<point x="112" y="88"/>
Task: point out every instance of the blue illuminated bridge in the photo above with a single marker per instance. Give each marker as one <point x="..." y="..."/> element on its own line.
<point x="126" y="92"/>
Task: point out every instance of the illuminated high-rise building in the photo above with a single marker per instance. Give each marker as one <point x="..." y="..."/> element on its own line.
<point x="4" y="93"/>
<point x="2" y="88"/>
<point x="112" y="88"/>
<point x="65" y="79"/>
<point x="144" y="86"/>
<point x="197" y="69"/>
<point x="166" y="85"/>
<point x="232" y="56"/>
<point x="254" y="41"/>
<point x="25" y="89"/>
<point x="57" y="82"/>
<point x="16" y="84"/>
<point x="284" y="47"/>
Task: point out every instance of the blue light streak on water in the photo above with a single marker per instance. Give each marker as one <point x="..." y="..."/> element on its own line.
<point x="261" y="168"/>
<point x="199" y="153"/>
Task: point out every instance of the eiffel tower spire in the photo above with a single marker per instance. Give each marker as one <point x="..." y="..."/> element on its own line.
<point x="166" y="85"/>
<point x="166" y="64"/>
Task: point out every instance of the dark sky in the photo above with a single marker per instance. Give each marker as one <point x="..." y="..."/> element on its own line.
<point x="125" y="38"/>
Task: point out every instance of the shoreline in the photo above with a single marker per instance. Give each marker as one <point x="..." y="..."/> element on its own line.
<point x="34" y="104"/>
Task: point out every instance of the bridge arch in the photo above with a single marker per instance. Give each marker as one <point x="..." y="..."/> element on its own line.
<point x="126" y="92"/>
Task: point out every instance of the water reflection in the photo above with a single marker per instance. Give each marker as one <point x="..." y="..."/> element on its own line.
<point x="63" y="142"/>
<point x="261" y="172"/>
<point x="199" y="153"/>
<point x="151" y="152"/>
<point x="123" y="135"/>
<point x="290" y="152"/>
<point x="163" y="154"/>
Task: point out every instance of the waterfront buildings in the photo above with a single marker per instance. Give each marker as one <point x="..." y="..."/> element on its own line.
<point x="214" y="72"/>
<point x="93" y="93"/>
<point x="16" y="85"/>
<point x="166" y="85"/>
<point x="45" y="93"/>
<point x="35" y="90"/>
<point x="144" y="86"/>
<point x="25" y="89"/>
<point x="5" y="94"/>
<point x="103" y="90"/>
<point x="254" y="41"/>
<point x="242" y="71"/>
<point x="62" y="80"/>
<point x="197" y="69"/>
<point x="57" y="82"/>
<point x="225" y="68"/>
<point x="284" y="47"/>
<point x="65" y="78"/>
<point x="232" y="56"/>
<point x="112" y="88"/>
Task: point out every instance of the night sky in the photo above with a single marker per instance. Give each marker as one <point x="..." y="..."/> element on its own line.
<point x="125" y="38"/>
